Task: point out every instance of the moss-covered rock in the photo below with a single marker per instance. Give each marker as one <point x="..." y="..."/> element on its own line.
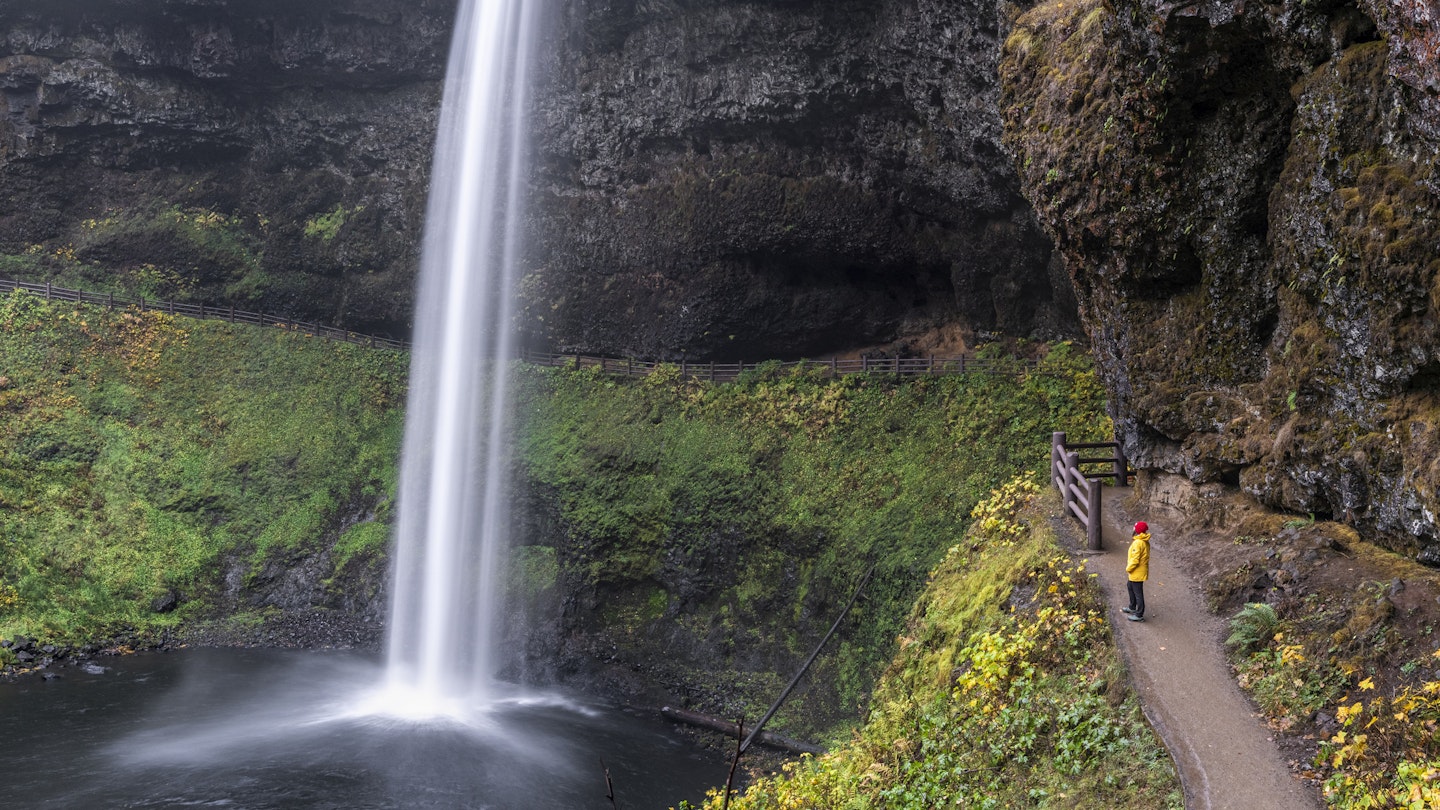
<point x="1245" y="200"/>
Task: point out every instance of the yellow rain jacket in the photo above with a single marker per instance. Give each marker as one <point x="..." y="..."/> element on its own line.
<point x="1138" y="563"/>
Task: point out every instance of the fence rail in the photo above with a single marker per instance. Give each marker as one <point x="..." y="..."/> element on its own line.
<point x="628" y="367"/>
<point x="729" y="372"/>
<point x="1081" y="489"/>
<point x="203" y="312"/>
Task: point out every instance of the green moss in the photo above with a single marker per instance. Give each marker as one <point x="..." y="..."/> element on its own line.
<point x="780" y="490"/>
<point x="535" y="570"/>
<point x="326" y="227"/>
<point x="633" y="610"/>
<point x="362" y="539"/>
<point x="138" y="450"/>
<point x="155" y="251"/>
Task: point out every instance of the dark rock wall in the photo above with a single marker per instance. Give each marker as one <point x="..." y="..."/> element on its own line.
<point x="264" y="114"/>
<point x="714" y="179"/>
<point x="1245" y="196"/>
<point x="753" y="179"/>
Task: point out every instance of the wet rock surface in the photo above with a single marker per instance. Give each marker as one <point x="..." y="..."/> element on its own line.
<point x="725" y="180"/>
<point x="739" y="180"/>
<point x="1241" y="192"/>
<point x="199" y="140"/>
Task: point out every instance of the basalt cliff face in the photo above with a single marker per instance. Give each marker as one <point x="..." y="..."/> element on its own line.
<point x="759" y="179"/>
<point x="1245" y="194"/>
<point x="712" y="179"/>
<point x="267" y="154"/>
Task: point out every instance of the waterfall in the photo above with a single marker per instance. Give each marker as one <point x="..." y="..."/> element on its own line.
<point x="452" y="522"/>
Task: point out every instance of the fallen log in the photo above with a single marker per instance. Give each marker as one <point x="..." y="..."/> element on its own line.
<point x="730" y="729"/>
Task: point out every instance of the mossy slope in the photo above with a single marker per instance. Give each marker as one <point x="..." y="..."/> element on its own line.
<point x="705" y="536"/>
<point x="1006" y="691"/>
<point x="145" y="455"/>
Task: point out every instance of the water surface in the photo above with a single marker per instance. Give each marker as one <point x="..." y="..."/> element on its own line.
<point x="253" y="729"/>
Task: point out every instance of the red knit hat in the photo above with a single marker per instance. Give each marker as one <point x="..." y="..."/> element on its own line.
<point x="1141" y="527"/>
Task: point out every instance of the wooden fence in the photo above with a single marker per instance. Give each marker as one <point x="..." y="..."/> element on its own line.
<point x="1081" y="489"/>
<point x="203" y="312"/>
<point x="628" y="367"/>
<point x="729" y="372"/>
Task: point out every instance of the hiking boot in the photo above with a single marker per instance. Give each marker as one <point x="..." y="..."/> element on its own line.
<point x="1134" y="618"/>
<point x="1127" y="610"/>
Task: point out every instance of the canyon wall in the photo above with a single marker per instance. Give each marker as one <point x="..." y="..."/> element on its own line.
<point x="712" y="179"/>
<point x="1245" y="195"/>
<point x="760" y="179"/>
<point x="266" y="154"/>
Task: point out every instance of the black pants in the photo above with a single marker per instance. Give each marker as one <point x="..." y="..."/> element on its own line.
<point x="1137" y="597"/>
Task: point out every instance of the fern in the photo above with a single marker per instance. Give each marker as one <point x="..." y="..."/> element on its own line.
<point x="1252" y="627"/>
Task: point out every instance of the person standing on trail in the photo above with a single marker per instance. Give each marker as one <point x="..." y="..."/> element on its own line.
<point x="1137" y="566"/>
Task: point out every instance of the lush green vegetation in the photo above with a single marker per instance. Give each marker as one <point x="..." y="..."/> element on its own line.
<point x="713" y="529"/>
<point x="1005" y="692"/>
<point x="736" y="518"/>
<point x="142" y="454"/>
<point x="170" y="252"/>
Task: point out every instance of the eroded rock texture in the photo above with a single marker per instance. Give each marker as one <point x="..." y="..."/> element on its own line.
<point x="753" y="179"/>
<point x="1245" y="194"/>
<point x="714" y="179"/>
<point x="264" y="153"/>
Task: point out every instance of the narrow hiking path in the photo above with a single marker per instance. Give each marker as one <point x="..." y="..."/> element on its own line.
<point x="1227" y="758"/>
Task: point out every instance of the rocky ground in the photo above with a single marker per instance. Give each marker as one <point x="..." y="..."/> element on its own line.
<point x="313" y="628"/>
<point x="1359" y="609"/>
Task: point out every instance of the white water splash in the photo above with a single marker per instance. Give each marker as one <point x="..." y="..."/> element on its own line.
<point x="452" y="522"/>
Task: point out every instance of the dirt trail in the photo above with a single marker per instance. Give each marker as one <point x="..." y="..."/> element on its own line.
<point x="1226" y="756"/>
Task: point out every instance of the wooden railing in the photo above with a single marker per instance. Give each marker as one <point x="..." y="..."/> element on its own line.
<point x="628" y="367"/>
<point x="1081" y="489"/>
<point x="729" y="372"/>
<point x="203" y="312"/>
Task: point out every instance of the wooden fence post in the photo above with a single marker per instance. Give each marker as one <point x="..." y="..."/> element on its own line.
<point x="1067" y="492"/>
<point x="1057" y="458"/>
<point x="1122" y="467"/>
<point x="1093" y="512"/>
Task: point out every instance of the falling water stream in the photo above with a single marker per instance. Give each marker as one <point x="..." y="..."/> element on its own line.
<point x="452" y="501"/>
<point x="428" y="727"/>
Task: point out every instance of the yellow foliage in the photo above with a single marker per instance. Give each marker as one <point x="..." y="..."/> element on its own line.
<point x="1395" y="761"/>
